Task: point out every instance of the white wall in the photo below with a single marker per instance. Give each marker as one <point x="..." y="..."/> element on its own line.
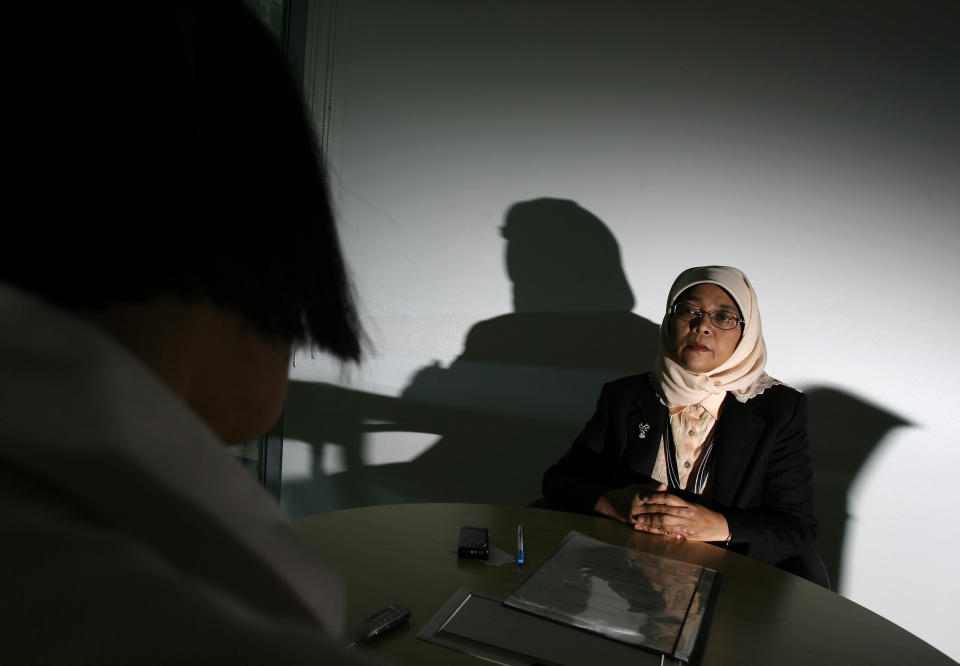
<point x="817" y="149"/>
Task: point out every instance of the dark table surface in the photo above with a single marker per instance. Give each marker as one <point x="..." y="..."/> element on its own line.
<point x="401" y="554"/>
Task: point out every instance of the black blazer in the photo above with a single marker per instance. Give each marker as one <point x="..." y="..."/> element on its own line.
<point x="762" y="480"/>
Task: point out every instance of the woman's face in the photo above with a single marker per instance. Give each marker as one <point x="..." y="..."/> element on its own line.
<point x="698" y="345"/>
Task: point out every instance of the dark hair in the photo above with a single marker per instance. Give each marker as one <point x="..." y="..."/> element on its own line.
<point x="171" y="154"/>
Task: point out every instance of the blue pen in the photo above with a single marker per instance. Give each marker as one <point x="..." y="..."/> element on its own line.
<point x="519" y="544"/>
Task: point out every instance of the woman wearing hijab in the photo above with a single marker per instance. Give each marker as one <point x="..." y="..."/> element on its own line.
<point x="707" y="446"/>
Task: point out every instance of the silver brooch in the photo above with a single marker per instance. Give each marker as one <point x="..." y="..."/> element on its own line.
<point x="644" y="427"/>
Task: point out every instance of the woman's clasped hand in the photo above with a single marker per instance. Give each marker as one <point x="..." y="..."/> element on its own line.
<point x="651" y="508"/>
<point x="664" y="513"/>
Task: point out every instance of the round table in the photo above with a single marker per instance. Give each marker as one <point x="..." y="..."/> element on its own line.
<point x="402" y="554"/>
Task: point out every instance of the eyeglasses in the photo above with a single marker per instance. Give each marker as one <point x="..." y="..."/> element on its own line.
<point x="722" y="319"/>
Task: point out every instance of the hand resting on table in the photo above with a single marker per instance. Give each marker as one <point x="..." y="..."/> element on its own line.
<point x="650" y="508"/>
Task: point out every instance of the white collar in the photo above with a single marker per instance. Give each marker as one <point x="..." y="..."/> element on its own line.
<point x="84" y="415"/>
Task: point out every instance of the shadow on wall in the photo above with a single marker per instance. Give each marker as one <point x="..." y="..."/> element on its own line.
<point x="513" y="400"/>
<point x="844" y="431"/>
<point x="526" y="382"/>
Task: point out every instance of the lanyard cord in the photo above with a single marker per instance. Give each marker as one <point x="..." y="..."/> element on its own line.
<point x="673" y="475"/>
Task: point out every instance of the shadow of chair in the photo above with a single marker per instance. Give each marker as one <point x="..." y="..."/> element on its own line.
<point x="808" y="565"/>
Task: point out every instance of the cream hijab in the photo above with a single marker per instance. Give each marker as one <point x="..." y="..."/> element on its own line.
<point x="743" y="373"/>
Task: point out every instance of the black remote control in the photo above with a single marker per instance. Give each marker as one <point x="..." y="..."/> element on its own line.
<point x="383" y="620"/>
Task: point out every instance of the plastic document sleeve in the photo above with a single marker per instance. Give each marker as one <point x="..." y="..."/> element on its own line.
<point x="589" y="599"/>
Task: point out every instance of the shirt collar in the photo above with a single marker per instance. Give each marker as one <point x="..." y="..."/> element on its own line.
<point x="712" y="403"/>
